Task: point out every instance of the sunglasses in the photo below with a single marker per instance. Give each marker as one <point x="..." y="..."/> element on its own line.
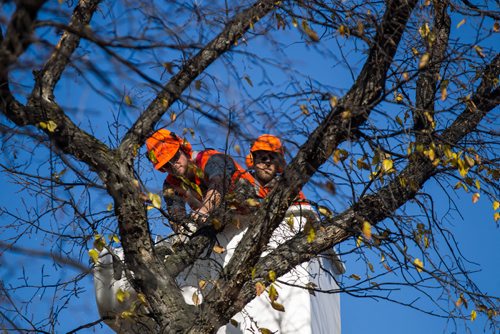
<point x="267" y="157"/>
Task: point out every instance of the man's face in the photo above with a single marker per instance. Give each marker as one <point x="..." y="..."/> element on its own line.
<point x="265" y="165"/>
<point x="178" y="165"/>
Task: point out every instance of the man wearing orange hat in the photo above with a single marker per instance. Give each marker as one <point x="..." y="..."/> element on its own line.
<point x="200" y="179"/>
<point x="267" y="159"/>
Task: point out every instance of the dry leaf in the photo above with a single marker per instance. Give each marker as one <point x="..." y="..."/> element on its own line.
<point x="418" y="264"/>
<point x="424" y="60"/>
<point x="367" y="230"/>
<point x="460" y="23"/>
<point x="219" y="249"/>
<point x="259" y="288"/>
<point x="475" y="198"/>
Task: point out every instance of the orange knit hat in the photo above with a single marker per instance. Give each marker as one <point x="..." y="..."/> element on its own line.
<point x="265" y="142"/>
<point x="163" y="145"/>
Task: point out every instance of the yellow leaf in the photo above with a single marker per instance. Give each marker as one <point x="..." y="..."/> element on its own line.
<point x="196" y="188"/>
<point x="272" y="275"/>
<point x="475" y="198"/>
<point x="424" y="30"/>
<point x="195" y="298"/>
<point x="406" y="76"/>
<point x="343" y="30"/>
<point x="126" y="315"/>
<point x="462" y="169"/>
<point x="496" y="216"/>
<point x="252" y="202"/>
<point x="367" y="230"/>
<point x="278" y="307"/>
<point x="325" y="211"/>
<point x="311" y="235"/>
<point x="51" y="126"/>
<point x="398" y="97"/>
<point x="122" y="295"/>
<point x="415" y="51"/>
<point x="430" y="154"/>
<point x="473" y="315"/>
<point x="303" y="107"/>
<point x="128" y="100"/>
<point x="387" y="165"/>
<point x="114" y="238"/>
<point x="333" y="101"/>
<point x="460" y="23"/>
<point x="479" y="51"/>
<point x="259" y="288"/>
<point x="263" y="330"/>
<point x="155" y="200"/>
<point x="469" y="161"/>
<point x="359" y="240"/>
<point x="202" y="284"/>
<point x="478" y="185"/>
<point x="361" y="28"/>
<point x="94" y="255"/>
<point x="418" y="264"/>
<point x="496" y="205"/>
<point x="237" y="148"/>
<point x="355" y="277"/>
<point x="461" y="300"/>
<point x="219" y="249"/>
<point x="294" y="22"/>
<point x="173" y="116"/>
<point x="444" y="93"/>
<point x="109" y="207"/>
<point x="273" y="293"/>
<point x="346" y="115"/>
<point x="424" y="60"/>
<point x="142" y="298"/>
<point x="339" y="155"/>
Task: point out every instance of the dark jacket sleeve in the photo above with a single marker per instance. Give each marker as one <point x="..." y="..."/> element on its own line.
<point x="219" y="167"/>
<point x="176" y="205"/>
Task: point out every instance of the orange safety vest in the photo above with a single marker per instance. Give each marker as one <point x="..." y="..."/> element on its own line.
<point x="263" y="191"/>
<point x="199" y="184"/>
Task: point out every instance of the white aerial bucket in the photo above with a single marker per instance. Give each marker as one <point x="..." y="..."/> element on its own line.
<point x="306" y="311"/>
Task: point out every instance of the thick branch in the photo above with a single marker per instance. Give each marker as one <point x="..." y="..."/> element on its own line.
<point x="429" y="76"/>
<point x="52" y="71"/>
<point x="382" y="204"/>
<point x="17" y="38"/>
<point x="353" y="110"/>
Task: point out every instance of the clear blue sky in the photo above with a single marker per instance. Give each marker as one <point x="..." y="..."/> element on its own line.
<point x="474" y="229"/>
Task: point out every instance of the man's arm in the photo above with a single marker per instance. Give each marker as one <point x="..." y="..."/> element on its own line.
<point x="217" y="174"/>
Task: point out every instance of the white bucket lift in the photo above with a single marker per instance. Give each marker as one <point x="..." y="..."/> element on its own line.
<point x="306" y="311"/>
